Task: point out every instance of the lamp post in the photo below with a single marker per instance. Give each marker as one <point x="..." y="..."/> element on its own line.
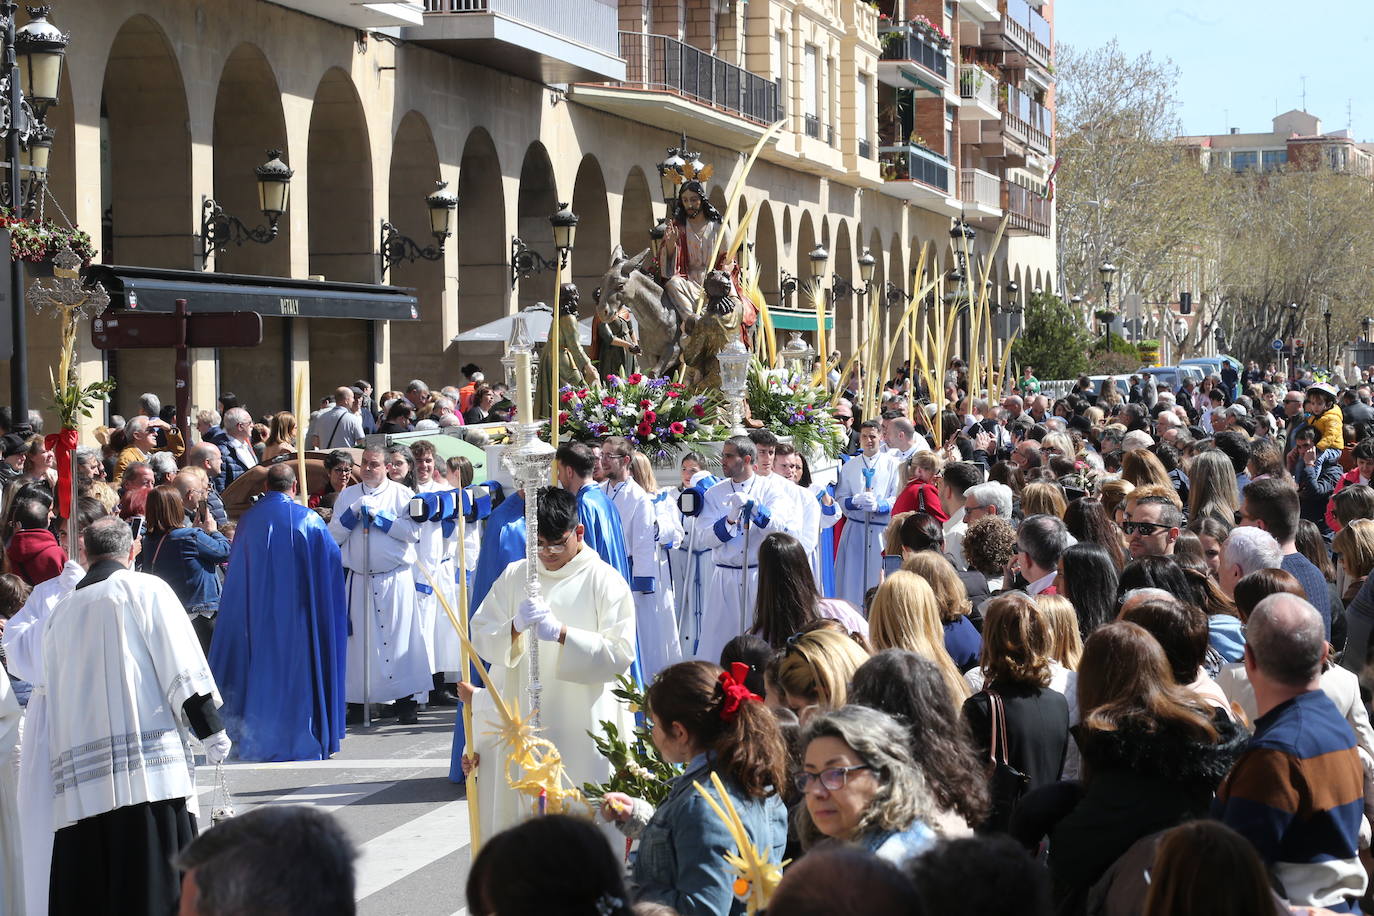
<point x="218" y="227"/>
<point x="1364" y="328"/>
<point x="1107" y="271"/>
<point x="525" y="262"/>
<point x="395" y="247"/>
<point x="564" y="223"/>
<point x="33" y="58"/>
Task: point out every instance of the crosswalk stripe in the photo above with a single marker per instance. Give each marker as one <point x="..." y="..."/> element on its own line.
<point x="328" y="798"/>
<point x="386" y="859"/>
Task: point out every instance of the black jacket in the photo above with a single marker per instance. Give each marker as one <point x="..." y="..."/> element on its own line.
<point x="1037" y="729"/>
<point x="1136" y="782"/>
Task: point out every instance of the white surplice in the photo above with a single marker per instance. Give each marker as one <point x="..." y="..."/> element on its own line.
<point x="593" y="601"/>
<point x="655" y="623"/>
<point x="11" y="854"/>
<point x="121" y="658"/>
<point x="728" y="609"/>
<point x="399" y="666"/>
<point x="24" y="653"/>
<point x="436" y="552"/>
<point x="859" y="559"/>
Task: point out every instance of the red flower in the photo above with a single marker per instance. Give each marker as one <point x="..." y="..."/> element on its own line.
<point x="635" y="378"/>
<point x="582" y="392"/>
<point x="678" y="428"/>
<point x="566" y="397"/>
<point x="609" y="401"/>
<point x="698" y="410"/>
<point x="644" y="430"/>
<point x="649" y="416"/>
<point x="646" y="403"/>
<point x="673" y="394"/>
<point x="562" y="417"/>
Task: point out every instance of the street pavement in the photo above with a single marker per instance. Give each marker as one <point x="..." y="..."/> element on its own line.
<point x="389" y="787"/>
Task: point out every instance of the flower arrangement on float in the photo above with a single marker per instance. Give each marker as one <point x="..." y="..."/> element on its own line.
<point x="658" y="416"/>
<point x="789" y="405"/>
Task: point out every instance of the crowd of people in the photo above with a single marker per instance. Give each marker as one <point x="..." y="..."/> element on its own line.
<point x="1025" y="654"/>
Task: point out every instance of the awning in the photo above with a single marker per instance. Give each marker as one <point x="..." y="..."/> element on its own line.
<point x="798" y="320"/>
<point x="152" y="289"/>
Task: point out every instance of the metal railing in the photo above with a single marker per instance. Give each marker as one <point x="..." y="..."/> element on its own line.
<point x="812" y="126"/>
<point x="979" y="187"/>
<point x="977" y="84"/>
<point x="660" y="62"/>
<point x="1027" y="209"/>
<point x="1028" y="29"/>
<point x="915" y="163"/>
<point x="906" y="42"/>
<point x="1029" y="117"/>
<point x="593" y="23"/>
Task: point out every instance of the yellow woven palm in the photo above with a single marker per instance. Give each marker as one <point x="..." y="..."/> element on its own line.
<point x="755" y="877"/>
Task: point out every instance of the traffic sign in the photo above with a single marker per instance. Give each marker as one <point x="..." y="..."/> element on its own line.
<point x="1276" y="344"/>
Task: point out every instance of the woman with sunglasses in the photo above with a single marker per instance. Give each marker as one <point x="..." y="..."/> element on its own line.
<point x="861" y="786"/>
<point x="711" y="721"/>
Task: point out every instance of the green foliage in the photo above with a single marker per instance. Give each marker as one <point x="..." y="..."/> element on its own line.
<point x="1052" y="340"/>
<point x="1114" y="356"/>
<point x="71" y="401"/>
<point x="789" y="406"/>
<point x="639" y="771"/>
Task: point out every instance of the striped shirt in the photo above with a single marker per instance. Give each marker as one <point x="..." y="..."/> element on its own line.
<point x="1297" y="793"/>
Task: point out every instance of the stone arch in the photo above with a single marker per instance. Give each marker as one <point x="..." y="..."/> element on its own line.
<point x="152" y="216"/>
<point x="249" y="121"/>
<point x="483" y="246"/>
<point x="592" y="207"/>
<point x="536" y="202"/>
<point x="418" y="346"/>
<point x="806" y="241"/>
<point x="880" y="279"/>
<point x="62" y="158"/>
<point x="766" y="252"/>
<point x="342" y="228"/>
<point x="786" y="232"/>
<point x="636" y="212"/>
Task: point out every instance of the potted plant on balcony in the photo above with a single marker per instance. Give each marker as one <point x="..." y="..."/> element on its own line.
<point x="36" y="241"/>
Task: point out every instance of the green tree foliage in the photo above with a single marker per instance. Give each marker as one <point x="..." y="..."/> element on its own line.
<point x="1053" y="340"/>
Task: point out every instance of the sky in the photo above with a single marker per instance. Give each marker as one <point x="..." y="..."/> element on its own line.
<point x="1241" y="63"/>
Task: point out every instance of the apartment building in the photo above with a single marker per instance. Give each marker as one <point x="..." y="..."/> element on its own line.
<point x="891" y="132"/>
<point x="1296" y="140"/>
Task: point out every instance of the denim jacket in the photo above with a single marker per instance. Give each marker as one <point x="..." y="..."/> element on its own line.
<point x="681" y="852"/>
<point x="186" y="559"/>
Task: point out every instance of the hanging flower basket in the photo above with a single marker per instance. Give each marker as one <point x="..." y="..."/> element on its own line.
<point x="36" y="241"/>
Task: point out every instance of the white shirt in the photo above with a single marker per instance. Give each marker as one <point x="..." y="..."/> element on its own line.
<point x="1044" y="582"/>
<point x="245" y="452"/>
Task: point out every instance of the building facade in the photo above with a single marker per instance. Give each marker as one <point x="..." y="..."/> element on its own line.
<point x="890" y="132"/>
<point x="1296" y="141"/>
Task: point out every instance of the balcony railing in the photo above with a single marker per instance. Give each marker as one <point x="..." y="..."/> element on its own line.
<point x="663" y="63"/>
<point x="915" y="163"/>
<point x="813" y="127"/>
<point x="1026" y="209"/>
<point x="904" y="42"/>
<point x="588" y="22"/>
<point x="979" y="187"/>
<point x="1028" y="117"/>
<point x="1029" y="29"/>
<point x="865" y="149"/>
<point x="976" y="84"/>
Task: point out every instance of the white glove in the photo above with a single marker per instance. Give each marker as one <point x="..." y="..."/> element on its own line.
<point x="865" y="502"/>
<point x="548" y="628"/>
<point x="530" y="612"/>
<point x="217" y="747"/>
<point x="734" y="503"/>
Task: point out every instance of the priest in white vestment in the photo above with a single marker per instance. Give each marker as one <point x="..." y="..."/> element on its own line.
<point x="585" y="624"/>
<point x="127" y="687"/>
<point x="372" y="526"/>
<point x="868" y="486"/>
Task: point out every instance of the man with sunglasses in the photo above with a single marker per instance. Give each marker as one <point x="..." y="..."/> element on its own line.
<point x="584" y="620"/>
<point x="1152" y="528"/>
<point x="844" y="412"/>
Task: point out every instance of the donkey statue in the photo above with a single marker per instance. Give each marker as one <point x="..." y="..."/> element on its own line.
<point x="660" y="327"/>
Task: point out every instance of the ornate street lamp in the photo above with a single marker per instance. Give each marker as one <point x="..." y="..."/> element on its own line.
<point x="395" y="247"/>
<point x="218" y="227"/>
<point x="1107" y="271"/>
<point x="1326" y="319"/>
<point x="564" y="223"/>
<point x="525" y="262"/>
<point x="39" y="46"/>
<point x="798" y="356"/>
<point x="819" y="257"/>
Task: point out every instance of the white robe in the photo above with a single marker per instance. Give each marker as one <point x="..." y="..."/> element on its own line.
<point x="436" y="552"/>
<point x="11" y="852"/>
<point x="121" y="658"/>
<point x="24" y="652"/>
<point x="859" y="560"/>
<point x="593" y="601"/>
<point x="728" y="609"/>
<point x="399" y="666"/>
<point x="655" y="625"/>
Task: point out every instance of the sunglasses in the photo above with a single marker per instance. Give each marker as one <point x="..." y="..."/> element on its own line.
<point x="1144" y="528"/>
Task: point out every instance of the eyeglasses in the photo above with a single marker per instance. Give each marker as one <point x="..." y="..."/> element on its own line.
<point x="845" y="419"/>
<point x="834" y="779"/>
<point x="1143" y="528"/>
<point x="556" y="550"/>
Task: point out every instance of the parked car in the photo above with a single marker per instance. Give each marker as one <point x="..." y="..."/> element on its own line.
<point x="1211" y="365"/>
<point x="1171" y="378"/>
<point x="1122" y="382"/>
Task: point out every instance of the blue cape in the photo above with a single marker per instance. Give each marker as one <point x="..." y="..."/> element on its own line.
<point x="281" y="635"/>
